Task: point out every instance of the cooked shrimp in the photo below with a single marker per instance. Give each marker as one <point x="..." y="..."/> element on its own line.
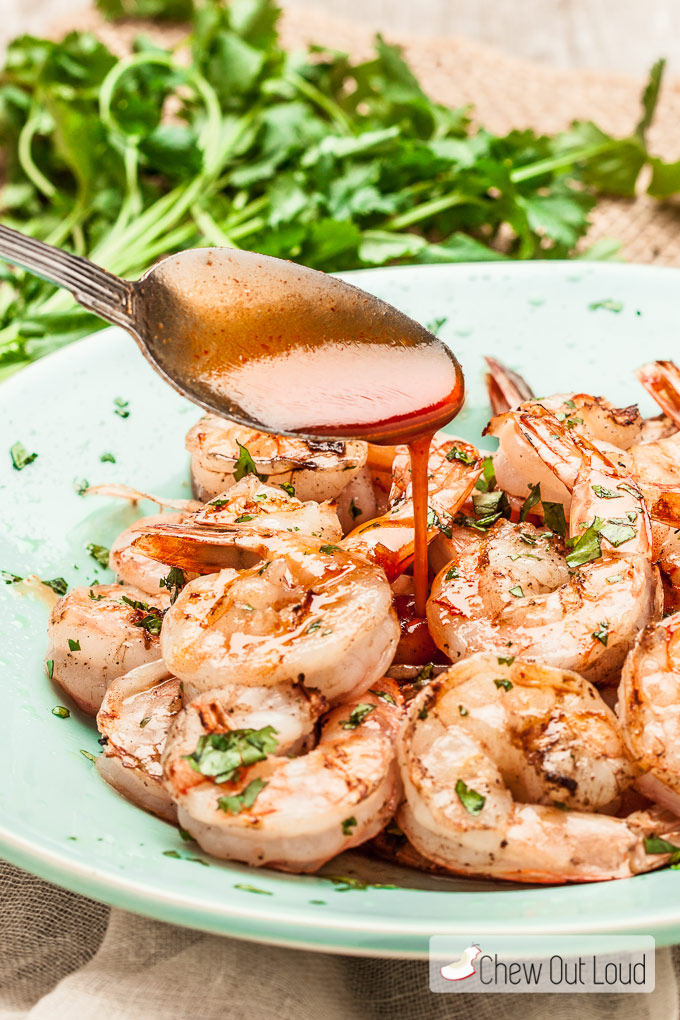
<point x="222" y="452"/>
<point x="453" y="468"/>
<point x="242" y="800"/>
<point x="270" y="508"/>
<point x="307" y="611"/>
<point x="131" y="566"/>
<point x="508" y="771"/>
<point x="506" y="388"/>
<point x="649" y="710"/>
<point x="134" y="719"/>
<point x="97" y="634"/>
<point x="516" y="463"/>
<point x="496" y="595"/>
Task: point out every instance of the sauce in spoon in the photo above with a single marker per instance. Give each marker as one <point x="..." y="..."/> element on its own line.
<point x="293" y="351"/>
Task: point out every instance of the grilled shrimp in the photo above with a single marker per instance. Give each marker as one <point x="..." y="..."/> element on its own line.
<point x="307" y="611"/>
<point x="241" y="799"/>
<point x="649" y="710"/>
<point x="222" y="452"/>
<point x="509" y="772"/>
<point x="453" y="468"/>
<point x="130" y="565"/>
<point x="134" y="719"/>
<point x="270" y="508"/>
<point x="97" y="634"/>
<point x="586" y="620"/>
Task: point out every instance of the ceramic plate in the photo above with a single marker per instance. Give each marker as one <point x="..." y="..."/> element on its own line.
<point x="565" y="325"/>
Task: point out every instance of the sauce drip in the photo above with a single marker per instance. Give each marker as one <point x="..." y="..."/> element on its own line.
<point x="292" y="351"/>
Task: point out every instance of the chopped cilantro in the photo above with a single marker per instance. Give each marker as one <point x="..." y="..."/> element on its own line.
<point x="517" y="591"/>
<point x="99" y="553"/>
<point x="245" y="887"/>
<point x="433" y="520"/>
<point x="602" y="633"/>
<point x="245" y="465"/>
<point x="287" y="488"/>
<point x="586" y="547"/>
<point x="49" y="668"/>
<point x="348" y="825"/>
<point x="88" y="755"/>
<point x="145" y="722"/>
<point x="357" y="716"/>
<point x="174" y="581"/>
<point x="472" y="801"/>
<point x="603" y="493"/>
<point x="486" y="503"/>
<point x="657" y="845"/>
<point x="237" y="802"/>
<point x="58" y="585"/>
<point x="456" y="453"/>
<point x="423" y="678"/>
<point x="571" y="404"/>
<point x="616" y="532"/>
<point x="505" y="684"/>
<point x="221" y="755"/>
<point x="61" y="712"/>
<point x="608" y="304"/>
<point x="385" y="695"/>
<point x="218" y="503"/>
<point x="463" y="710"/>
<point x="530" y="502"/>
<point x="20" y="456"/>
<point x="329" y="549"/>
<point x="244" y="518"/>
<point x="614" y="578"/>
<point x="74" y="645"/>
<point x="107" y="458"/>
<point x="9" y="578"/>
<point x="354" y="510"/>
<point x="487" y="480"/>
<point x="81" y="485"/>
<point x="553" y="515"/>
<point x="452" y="573"/>
<point x="121" y="407"/>
<point x="505" y="660"/>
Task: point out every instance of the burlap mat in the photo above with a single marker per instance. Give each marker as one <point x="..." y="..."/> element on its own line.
<point x="506" y="93"/>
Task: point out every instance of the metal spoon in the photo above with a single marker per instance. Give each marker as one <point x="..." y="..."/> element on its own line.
<point x="268" y="343"/>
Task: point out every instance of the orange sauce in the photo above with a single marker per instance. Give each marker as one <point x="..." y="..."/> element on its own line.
<point x="296" y="352"/>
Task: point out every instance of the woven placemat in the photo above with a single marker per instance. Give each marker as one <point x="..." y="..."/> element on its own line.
<point x="506" y="93"/>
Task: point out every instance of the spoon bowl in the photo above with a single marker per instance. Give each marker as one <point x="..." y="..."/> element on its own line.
<point x="269" y="343"/>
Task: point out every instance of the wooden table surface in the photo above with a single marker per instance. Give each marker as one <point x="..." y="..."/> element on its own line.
<point x="623" y="35"/>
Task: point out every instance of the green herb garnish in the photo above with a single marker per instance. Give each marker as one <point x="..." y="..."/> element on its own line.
<point x="237" y="802"/>
<point x="517" y="591"/>
<point x="487" y="480"/>
<point x="245" y="465"/>
<point x="107" y="458"/>
<point x="61" y="712"/>
<point x="505" y="684"/>
<point x="357" y="716"/>
<point x="174" y="581"/>
<point x="20" y="456"/>
<point x="99" y="553"/>
<point x="602" y="633"/>
<point x="73" y="645"/>
<point x="221" y="755"/>
<point x="456" y="453"/>
<point x="452" y="573"/>
<point x="603" y="493"/>
<point x="530" y="502"/>
<point x="348" y="825"/>
<point x="472" y="801"/>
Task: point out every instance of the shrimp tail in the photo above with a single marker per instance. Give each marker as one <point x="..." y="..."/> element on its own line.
<point x="661" y="379"/>
<point x="506" y="389"/>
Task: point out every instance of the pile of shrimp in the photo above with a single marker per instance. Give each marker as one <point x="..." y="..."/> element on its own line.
<point x="260" y="678"/>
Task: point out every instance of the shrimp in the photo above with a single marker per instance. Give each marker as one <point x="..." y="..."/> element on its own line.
<point x="307" y="610"/>
<point x="131" y="566"/>
<point x="134" y="719"/>
<point x="453" y="469"/>
<point x="222" y="452"/>
<point x="506" y="389"/>
<point x="97" y="634"/>
<point x="242" y="800"/>
<point x="495" y="597"/>
<point x="511" y="772"/>
<point x="270" y="508"/>
<point x="649" y="710"/>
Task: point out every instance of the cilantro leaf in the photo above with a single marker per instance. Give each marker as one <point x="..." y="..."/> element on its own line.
<point x="472" y="801"/>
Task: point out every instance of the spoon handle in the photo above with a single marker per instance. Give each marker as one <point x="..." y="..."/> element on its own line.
<point x="94" y="288"/>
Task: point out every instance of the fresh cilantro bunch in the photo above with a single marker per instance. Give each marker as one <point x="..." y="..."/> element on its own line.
<point x="308" y="156"/>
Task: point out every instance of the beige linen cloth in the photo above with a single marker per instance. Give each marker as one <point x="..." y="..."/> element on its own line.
<point x="64" y="957"/>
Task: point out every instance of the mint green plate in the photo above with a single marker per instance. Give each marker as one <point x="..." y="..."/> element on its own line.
<point x="60" y="820"/>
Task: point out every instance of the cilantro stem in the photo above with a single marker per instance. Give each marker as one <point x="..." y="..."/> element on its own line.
<point x="25" y="156"/>
<point x="326" y="104"/>
<point x="563" y="162"/>
<point x="427" y="209"/>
